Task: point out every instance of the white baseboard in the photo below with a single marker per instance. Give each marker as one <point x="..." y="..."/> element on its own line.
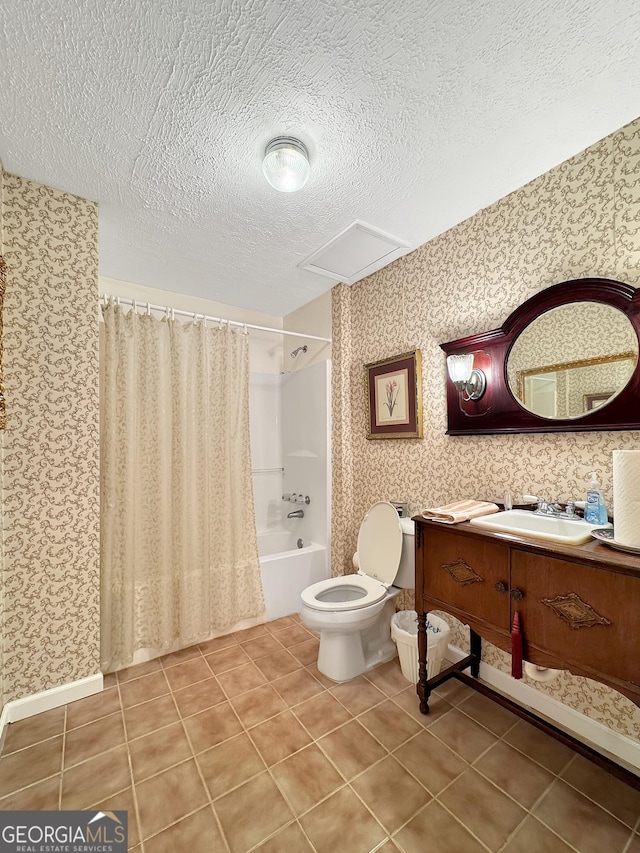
<point x="615" y="744"/>
<point x="46" y="700"/>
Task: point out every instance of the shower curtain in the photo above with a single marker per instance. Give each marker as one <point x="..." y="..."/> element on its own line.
<point x="179" y="558"/>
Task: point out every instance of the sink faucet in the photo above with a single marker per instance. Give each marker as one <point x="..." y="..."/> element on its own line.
<point x="298" y="513"/>
<point x="555" y="509"/>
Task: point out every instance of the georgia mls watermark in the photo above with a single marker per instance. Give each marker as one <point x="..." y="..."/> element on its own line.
<point x="63" y="832"/>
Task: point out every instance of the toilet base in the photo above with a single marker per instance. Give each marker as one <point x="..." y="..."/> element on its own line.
<point x="344" y="655"/>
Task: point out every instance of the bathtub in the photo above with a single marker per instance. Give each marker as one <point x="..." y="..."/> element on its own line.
<point x="286" y="570"/>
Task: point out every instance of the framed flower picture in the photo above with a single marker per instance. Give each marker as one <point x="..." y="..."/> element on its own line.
<point x="394" y="397"/>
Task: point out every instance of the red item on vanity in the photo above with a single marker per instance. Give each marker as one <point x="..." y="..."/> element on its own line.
<point x="516" y="647"/>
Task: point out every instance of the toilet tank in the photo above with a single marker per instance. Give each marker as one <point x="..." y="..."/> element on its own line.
<point x="406" y="577"/>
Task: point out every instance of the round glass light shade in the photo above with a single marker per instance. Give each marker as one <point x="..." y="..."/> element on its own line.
<point x="286" y="164"/>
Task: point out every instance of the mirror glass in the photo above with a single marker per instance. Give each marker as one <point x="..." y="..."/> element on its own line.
<point x="572" y="359"/>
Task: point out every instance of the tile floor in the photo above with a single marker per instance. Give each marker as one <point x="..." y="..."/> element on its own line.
<point x="240" y="744"/>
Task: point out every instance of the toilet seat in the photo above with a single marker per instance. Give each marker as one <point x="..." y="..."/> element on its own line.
<point x="366" y="591"/>
<point x="379" y="551"/>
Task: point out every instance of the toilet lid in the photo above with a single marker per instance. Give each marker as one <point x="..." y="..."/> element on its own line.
<point x="380" y="543"/>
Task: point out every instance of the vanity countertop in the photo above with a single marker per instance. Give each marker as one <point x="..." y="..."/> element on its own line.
<point x="592" y="553"/>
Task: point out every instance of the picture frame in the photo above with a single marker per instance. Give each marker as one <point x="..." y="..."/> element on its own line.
<point x="394" y="396"/>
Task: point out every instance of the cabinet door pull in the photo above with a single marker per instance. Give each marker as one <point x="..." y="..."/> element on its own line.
<point x="517" y="594"/>
<point x="500" y="587"/>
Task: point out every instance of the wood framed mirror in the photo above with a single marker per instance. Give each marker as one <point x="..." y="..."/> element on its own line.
<point x="567" y="359"/>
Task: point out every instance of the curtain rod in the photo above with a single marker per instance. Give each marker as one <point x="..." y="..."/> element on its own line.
<point x="135" y="304"/>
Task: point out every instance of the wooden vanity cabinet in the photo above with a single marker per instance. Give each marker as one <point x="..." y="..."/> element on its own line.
<point x="579" y="606"/>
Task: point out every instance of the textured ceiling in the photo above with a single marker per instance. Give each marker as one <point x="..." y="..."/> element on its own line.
<point x="416" y="114"/>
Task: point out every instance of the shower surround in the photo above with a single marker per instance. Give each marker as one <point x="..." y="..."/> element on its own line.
<point x="290" y="430"/>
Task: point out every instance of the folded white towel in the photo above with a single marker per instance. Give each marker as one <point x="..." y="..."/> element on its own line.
<point x="460" y="511"/>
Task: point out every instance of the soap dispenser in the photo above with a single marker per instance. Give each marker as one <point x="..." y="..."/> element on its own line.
<point x="595" y="510"/>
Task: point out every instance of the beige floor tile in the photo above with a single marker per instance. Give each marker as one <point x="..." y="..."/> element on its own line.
<point x="454" y="691"/>
<point x="293" y="636"/>
<point x="188" y="672"/>
<point x="278" y="625"/>
<point x="250" y="633"/>
<point x="534" y="837"/>
<point x="169" y="797"/>
<point x="409" y="702"/>
<point x="211" y="727"/>
<point x="291" y="839"/>
<point x="342" y="824"/>
<point x="182" y="655"/>
<point x="258" y="705"/>
<point x="388" y="847"/>
<point x="579" y="821"/>
<point x="99" y="736"/>
<point x="297" y="686"/>
<point x="306" y="652"/>
<point x="390" y="793"/>
<point x="389" y="678"/>
<point x="539" y="746"/>
<point x="436" y="827"/>
<point x="252" y="813"/>
<point x="123" y="801"/>
<point x="242" y="678"/>
<point x="198" y="697"/>
<point x="321" y="714"/>
<point x="463" y="735"/>
<point x="358" y="695"/>
<point x="93" y="707"/>
<point x="150" y="716"/>
<point x="28" y="732"/>
<point x="227" y="658"/>
<point x="157" y="751"/>
<point x="143" y="689"/>
<point x="29" y="765"/>
<point x="96" y="779"/>
<point x="389" y="724"/>
<point x="352" y="749"/>
<point x="514" y="773"/>
<point x="109" y="679"/>
<point x="229" y="765"/>
<point x="634" y="846"/>
<point x="138" y="670"/>
<point x="217" y="644"/>
<point x="279" y="737"/>
<point x="315" y="672"/>
<point x="261" y="646"/>
<point x="306" y="778"/>
<point x="197" y="833"/>
<point x="43" y="795"/>
<point x="430" y="761"/>
<point x="488" y="813"/>
<point x="609" y="792"/>
<point x="488" y="713"/>
<point x="279" y="664"/>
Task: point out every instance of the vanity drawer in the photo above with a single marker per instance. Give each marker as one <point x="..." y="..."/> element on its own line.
<point x="462" y="573"/>
<point x="587" y="614"/>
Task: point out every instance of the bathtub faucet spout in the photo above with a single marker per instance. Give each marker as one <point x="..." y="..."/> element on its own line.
<point x="298" y="513"/>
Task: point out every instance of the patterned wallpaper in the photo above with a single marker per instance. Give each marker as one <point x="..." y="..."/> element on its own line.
<point x="580" y="219"/>
<point x="50" y="450"/>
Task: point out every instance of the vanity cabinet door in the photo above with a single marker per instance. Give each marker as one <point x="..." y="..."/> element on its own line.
<point x="462" y="572"/>
<point x="586" y="615"/>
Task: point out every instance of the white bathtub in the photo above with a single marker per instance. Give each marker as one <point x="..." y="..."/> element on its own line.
<point x="286" y="570"/>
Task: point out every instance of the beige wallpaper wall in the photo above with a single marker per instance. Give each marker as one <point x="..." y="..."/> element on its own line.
<point x="50" y="451"/>
<point x="580" y="219"/>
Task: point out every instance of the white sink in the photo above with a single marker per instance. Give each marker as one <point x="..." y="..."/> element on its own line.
<point x="521" y="522"/>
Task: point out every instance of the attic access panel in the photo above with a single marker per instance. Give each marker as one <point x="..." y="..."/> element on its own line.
<point x="355" y="253"/>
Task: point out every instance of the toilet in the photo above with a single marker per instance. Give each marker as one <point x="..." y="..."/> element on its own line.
<point x="353" y="613"/>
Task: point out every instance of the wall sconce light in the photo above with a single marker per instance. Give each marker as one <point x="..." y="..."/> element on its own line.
<point x="468" y="380"/>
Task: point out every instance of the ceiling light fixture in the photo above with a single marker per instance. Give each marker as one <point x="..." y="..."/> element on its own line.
<point x="286" y="164"/>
